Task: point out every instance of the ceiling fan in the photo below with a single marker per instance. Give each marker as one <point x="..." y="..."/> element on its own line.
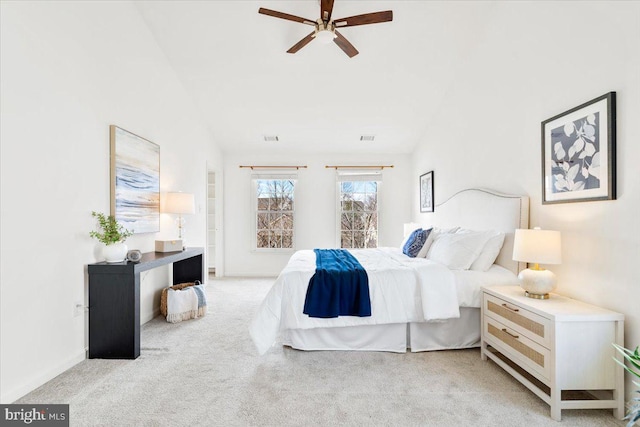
<point x="325" y="27"/>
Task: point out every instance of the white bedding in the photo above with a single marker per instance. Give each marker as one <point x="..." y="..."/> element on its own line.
<point x="402" y="290"/>
<point x="469" y="282"/>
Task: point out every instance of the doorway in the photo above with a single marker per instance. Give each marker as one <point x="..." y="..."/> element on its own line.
<point x="211" y="223"/>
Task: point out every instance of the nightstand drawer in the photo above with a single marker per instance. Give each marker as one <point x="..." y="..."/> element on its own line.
<point x="524" y="322"/>
<point x="518" y="347"/>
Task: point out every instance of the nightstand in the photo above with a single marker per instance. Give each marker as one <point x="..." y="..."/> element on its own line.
<point x="559" y="348"/>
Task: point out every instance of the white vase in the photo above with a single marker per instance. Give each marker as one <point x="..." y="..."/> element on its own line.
<point x="116" y="252"/>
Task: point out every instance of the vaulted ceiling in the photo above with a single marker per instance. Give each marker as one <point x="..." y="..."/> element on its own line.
<point x="233" y="62"/>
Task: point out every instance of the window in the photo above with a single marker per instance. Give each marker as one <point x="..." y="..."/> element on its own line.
<point x="358" y="210"/>
<point x="274" y="213"/>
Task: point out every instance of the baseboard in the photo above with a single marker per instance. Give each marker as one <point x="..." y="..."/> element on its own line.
<point x="148" y="317"/>
<point x="15" y="394"/>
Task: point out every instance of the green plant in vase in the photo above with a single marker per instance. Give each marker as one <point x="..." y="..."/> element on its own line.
<point x="633" y="357"/>
<point x="113" y="235"/>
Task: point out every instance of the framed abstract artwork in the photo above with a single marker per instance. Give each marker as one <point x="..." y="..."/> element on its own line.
<point x="579" y="153"/>
<point x="426" y="192"/>
<point x="135" y="181"/>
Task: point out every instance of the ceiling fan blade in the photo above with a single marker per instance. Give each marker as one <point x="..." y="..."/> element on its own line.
<point x="326" y="7"/>
<point x="367" y="18"/>
<point x="302" y="43"/>
<point x="286" y="16"/>
<point x="345" y="45"/>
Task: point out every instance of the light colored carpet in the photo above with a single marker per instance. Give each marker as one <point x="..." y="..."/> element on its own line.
<point x="207" y="372"/>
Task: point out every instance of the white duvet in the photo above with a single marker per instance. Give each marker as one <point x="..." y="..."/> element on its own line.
<point x="401" y="289"/>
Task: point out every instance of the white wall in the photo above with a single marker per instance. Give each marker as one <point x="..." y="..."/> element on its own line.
<point x="69" y="70"/>
<point x="540" y="59"/>
<point x="315" y="208"/>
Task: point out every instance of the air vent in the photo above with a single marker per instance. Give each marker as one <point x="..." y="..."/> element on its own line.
<point x="271" y="138"/>
<point x="368" y="138"/>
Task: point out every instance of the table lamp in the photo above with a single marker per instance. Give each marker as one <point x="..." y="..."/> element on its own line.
<point x="181" y="204"/>
<point x="537" y="247"/>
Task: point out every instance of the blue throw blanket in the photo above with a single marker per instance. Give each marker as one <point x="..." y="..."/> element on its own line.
<point x="339" y="287"/>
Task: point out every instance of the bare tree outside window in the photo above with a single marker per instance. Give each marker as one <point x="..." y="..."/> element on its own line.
<point x="274" y="216"/>
<point x="359" y="214"/>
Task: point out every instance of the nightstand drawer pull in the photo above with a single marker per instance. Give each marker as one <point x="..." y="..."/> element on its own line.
<point x="521" y="346"/>
<point x="510" y="308"/>
<point x="510" y="334"/>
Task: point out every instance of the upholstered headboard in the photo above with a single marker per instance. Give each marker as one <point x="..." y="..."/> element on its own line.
<point x="482" y="209"/>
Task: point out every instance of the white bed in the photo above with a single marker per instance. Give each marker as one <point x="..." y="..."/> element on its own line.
<point x="415" y="303"/>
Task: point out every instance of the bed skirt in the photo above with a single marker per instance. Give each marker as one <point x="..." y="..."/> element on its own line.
<point x="396" y="337"/>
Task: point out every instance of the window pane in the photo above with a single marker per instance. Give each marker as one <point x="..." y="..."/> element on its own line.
<point x="287" y="239"/>
<point x="371" y="187"/>
<point x="287" y="221"/>
<point x="263" y="203"/>
<point x="346" y="222"/>
<point x="263" y="221"/>
<point x="275" y="221"/>
<point x="358" y="239"/>
<point x="262" y="239"/>
<point x="346" y="239"/>
<point x="275" y="240"/>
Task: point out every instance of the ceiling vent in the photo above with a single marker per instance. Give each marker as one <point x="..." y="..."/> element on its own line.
<point x="368" y="138"/>
<point x="271" y="138"/>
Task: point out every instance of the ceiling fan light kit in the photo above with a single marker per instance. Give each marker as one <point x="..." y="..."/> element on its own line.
<point x="325" y="36"/>
<point x="325" y="27"/>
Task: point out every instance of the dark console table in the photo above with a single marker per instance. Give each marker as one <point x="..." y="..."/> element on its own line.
<point x="114" y="299"/>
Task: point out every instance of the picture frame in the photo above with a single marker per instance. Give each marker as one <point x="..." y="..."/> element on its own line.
<point x="579" y="153"/>
<point x="427" y="203"/>
<point x="135" y="181"/>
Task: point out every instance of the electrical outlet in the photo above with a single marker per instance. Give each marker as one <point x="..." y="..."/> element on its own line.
<point x="78" y="309"/>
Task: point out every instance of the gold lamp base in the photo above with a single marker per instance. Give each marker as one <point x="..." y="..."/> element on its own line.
<point x="536" y="296"/>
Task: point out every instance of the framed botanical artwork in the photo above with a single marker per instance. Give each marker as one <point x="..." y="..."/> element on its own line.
<point x="579" y="153"/>
<point x="135" y="181"/>
<point x="426" y="192"/>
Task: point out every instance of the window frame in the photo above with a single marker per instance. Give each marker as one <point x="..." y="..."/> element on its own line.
<point x="353" y="177"/>
<point x="254" y="205"/>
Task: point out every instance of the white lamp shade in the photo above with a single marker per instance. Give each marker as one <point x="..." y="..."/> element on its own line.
<point x="537" y="246"/>
<point x="179" y="203"/>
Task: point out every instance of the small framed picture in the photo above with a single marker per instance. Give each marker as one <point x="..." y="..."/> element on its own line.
<point x="579" y="153"/>
<point x="426" y="192"/>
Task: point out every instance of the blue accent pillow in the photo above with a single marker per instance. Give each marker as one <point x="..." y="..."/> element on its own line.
<point x="415" y="242"/>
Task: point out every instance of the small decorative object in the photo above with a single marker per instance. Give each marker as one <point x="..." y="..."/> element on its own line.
<point x="112" y="235"/>
<point x="538" y="247"/>
<point x="180" y="203"/>
<point x="134" y="255"/>
<point x="426" y="192"/>
<point x="579" y="153"/>
<point x="169" y="245"/>
<point x="135" y="181"/>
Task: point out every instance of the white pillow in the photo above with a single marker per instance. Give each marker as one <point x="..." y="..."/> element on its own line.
<point x="458" y="250"/>
<point x="489" y="253"/>
<point x="432" y="235"/>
